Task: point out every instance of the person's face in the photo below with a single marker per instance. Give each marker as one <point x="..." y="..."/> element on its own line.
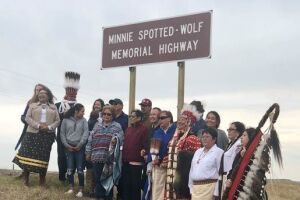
<point x="207" y="140"/>
<point x="97" y="106"/>
<point x="164" y="120"/>
<point x="211" y="120"/>
<point x="154" y="116"/>
<point x="79" y="114"/>
<point x="244" y="139"/>
<point x="232" y="132"/>
<point x="182" y="122"/>
<point x="145" y="109"/>
<point x="133" y="118"/>
<point x="37" y="89"/>
<point x="43" y="96"/>
<point x="118" y="107"/>
<point x="107" y="116"/>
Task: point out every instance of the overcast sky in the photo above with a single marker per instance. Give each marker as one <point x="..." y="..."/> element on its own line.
<point x="254" y="47"/>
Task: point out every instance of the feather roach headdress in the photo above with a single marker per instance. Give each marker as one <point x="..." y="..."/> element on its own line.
<point x="72" y="80"/>
<point x="249" y="179"/>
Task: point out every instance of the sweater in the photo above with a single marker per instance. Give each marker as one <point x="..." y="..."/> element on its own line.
<point x="74" y="132"/>
<point x="100" y="139"/>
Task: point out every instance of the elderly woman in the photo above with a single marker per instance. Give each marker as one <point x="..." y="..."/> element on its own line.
<point x="181" y="149"/>
<point x="205" y="165"/>
<point x="235" y="131"/>
<point x="42" y="118"/>
<point x="103" y="149"/>
<point x="213" y="120"/>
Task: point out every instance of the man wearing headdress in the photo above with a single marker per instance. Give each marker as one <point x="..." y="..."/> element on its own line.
<point x="71" y="86"/>
<point x="181" y="149"/>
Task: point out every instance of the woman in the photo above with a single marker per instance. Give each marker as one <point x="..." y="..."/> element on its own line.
<point x="235" y="131"/>
<point x="73" y="135"/>
<point x="42" y="118"/>
<point x="95" y="116"/>
<point x="213" y="120"/>
<point x="96" y="113"/>
<point x="103" y="149"/>
<point x="135" y="142"/>
<point x="33" y="99"/>
<point x="180" y="153"/>
<point x="205" y="166"/>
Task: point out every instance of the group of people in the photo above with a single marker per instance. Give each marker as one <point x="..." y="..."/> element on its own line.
<point x="145" y="155"/>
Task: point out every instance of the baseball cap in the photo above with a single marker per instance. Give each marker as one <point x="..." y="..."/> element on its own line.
<point x="146" y="102"/>
<point x="115" y="101"/>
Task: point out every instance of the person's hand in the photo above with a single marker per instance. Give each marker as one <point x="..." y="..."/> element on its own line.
<point x="70" y="148"/>
<point x="243" y="151"/>
<point x="114" y="141"/>
<point x="43" y="127"/>
<point x="164" y="162"/>
<point x="228" y="183"/>
<point x="143" y="152"/>
<point x="88" y="157"/>
<point x="77" y="148"/>
<point x="155" y="162"/>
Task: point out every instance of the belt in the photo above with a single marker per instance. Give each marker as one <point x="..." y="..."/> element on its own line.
<point x="203" y="182"/>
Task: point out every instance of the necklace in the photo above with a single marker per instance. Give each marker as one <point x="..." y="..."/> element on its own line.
<point x="202" y="155"/>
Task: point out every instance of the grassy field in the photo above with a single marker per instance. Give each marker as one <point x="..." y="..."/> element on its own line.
<point x="12" y="188"/>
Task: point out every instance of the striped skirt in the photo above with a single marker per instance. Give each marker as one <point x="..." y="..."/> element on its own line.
<point x="34" y="153"/>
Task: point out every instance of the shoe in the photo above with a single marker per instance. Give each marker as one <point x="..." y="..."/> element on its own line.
<point x="79" y="194"/>
<point x="70" y="191"/>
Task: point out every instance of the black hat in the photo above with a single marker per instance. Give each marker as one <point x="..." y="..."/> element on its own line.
<point x="115" y="101"/>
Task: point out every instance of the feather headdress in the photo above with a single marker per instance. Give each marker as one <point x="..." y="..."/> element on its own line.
<point x="72" y="80"/>
<point x="249" y="178"/>
<point x="191" y="112"/>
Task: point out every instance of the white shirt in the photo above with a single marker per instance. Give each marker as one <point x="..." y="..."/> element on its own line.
<point x="205" y="165"/>
<point x="230" y="154"/>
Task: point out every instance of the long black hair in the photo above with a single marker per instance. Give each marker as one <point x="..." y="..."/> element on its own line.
<point x="70" y="113"/>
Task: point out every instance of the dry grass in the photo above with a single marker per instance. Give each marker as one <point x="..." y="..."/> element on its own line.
<point x="12" y="188"/>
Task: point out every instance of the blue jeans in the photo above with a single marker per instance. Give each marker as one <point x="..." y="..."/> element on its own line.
<point x="75" y="161"/>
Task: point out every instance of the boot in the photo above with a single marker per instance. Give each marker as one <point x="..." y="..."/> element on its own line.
<point x="42" y="180"/>
<point x="26" y="178"/>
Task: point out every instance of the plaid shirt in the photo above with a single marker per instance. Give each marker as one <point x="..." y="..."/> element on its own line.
<point x="99" y="140"/>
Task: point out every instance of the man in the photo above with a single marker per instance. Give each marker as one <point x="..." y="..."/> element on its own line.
<point x="155" y="125"/>
<point x="146" y="106"/>
<point x="205" y="166"/>
<point x="71" y="86"/>
<point x="121" y="117"/>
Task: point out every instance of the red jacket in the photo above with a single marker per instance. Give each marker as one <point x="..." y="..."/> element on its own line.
<point x="135" y="140"/>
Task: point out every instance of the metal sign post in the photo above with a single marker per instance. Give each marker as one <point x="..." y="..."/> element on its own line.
<point x="180" y="97"/>
<point x="132" y="84"/>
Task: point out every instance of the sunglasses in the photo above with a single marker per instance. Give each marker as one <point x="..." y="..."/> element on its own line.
<point x="163" y="117"/>
<point x="107" y="114"/>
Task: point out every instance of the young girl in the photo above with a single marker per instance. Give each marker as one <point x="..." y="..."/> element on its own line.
<point x="74" y="134"/>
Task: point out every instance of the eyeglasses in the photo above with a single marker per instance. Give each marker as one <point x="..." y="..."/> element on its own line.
<point x="231" y="129"/>
<point x="107" y="114"/>
<point x="163" y="117"/>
